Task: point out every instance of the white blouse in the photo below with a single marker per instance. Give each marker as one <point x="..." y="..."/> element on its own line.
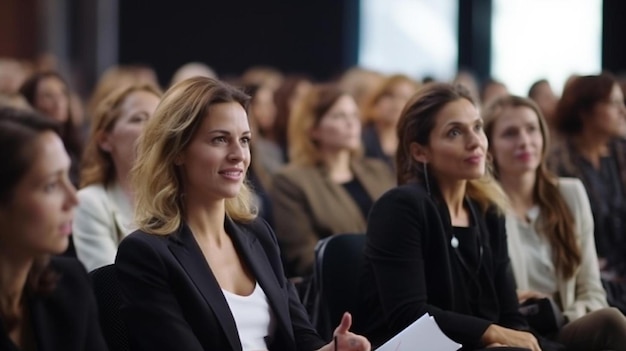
<point x="254" y="318"/>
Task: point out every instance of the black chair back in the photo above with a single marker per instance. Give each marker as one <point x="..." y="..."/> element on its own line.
<point x="108" y="297"/>
<point x="338" y="261"/>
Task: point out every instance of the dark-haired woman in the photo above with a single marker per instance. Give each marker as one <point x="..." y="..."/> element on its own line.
<point x="45" y="303"/>
<point x="436" y="244"/>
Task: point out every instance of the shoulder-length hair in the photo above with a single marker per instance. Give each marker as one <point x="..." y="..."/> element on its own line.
<point x="19" y="130"/>
<point x="155" y="178"/>
<point x="69" y="132"/>
<point x="384" y="89"/>
<point x="303" y="150"/>
<point x="417" y="121"/>
<point x="580" y="96"/>
<point x="97" y="165"/>
<point x="557" y="221"/>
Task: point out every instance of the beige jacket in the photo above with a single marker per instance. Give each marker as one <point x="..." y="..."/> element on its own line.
<point x="583" y="292"/>
<point x="308" y="206"/>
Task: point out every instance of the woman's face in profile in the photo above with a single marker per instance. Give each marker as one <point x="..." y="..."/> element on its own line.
<point x="516" y="142"/>
<point x="458" y="144"/>
<point x="38" y="218"/>
<point x="136" y="109"/>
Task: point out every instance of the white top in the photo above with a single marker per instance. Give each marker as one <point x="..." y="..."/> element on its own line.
<point x="539" y="264"/>
<point x="581" y="293"/>
<point x="254" y="318"/>
<point x="104" y="216"/>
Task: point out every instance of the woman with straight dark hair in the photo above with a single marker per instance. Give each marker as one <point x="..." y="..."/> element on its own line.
<point x="49" y="94"/>
<point x="46" y="303"/>
<point x="591" y="117"/>
<point x="436" y="244"/>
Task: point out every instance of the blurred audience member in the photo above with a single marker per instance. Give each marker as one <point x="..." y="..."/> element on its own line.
<point x="591" y="116"/>
<point x="468" y="80"/>
<point x="12" y="75"/>
<point x="381" y="113"/>
<point x="265" y="76"/>
<point x="48" y="93"/>
<point x="118" y="77"/>
<point x="360" y="83"/>
<point x="105" y="213"/>
<point x="190" y="70"/>
<point x="14" y="100"/>
<point x="327" y="188"/>
<point x="491" y="90"/>
<point x="289" y="94"/>
<point x="542" y="94"/>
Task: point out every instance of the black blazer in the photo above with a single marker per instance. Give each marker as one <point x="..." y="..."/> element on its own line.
<point x="410" y="268"/>
<point x="67" y="318"/>
<point x="173" y="301"/>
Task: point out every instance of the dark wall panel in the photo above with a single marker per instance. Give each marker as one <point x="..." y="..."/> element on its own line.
<point x="613" y="31"/>
<point x="230" y="36"/>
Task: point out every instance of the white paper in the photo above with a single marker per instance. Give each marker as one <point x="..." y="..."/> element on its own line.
<point x="422" y="335"/>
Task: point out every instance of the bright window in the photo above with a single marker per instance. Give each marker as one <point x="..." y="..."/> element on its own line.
<point x="551" y="39"/>
<point x="414" y="37"/>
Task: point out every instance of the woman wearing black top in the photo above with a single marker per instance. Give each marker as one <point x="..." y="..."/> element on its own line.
<point x="436" y="244"/>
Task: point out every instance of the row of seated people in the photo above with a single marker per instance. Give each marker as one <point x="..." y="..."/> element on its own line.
<point x="337" y="112"/>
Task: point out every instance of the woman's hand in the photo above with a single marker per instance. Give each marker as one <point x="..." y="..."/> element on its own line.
<point x="523" y="295"/>
<point x="496" y="335"/>
<point x="345" y="340"/>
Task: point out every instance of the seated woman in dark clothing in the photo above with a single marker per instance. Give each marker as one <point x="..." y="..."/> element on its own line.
<point x="381" y="113"/>
<point x="436" y="244"/>
<point x="45" y="303"/>
<point x="591" y="116"/>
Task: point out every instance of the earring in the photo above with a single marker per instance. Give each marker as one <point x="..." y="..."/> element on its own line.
<point x="426" y="178"/>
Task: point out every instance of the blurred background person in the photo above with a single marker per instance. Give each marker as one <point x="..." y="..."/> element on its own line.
<point x="381" y="112"/>
<point x="550" y="230"/>
<point x="292" y="90"/>
<point x="105" y="213"/>
<point x="49" y="94"/>
<point x="492" y="89"/>
<point x="328" y="187"/>
<point x="591" y="117"/>
<point x="360" y="83"/>
<point x="46" y="302"/>
<point x="190" y="70"/>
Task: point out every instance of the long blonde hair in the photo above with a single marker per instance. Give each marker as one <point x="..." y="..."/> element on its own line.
<point x="557" y="221"/>
<point x="97" y="165"/>
<point x="156" y="179"/>
<point x="417" y="122"/>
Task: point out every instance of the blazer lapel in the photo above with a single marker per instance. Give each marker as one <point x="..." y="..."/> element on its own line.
<point x="254" y="255"/>
<point x="188" y="253"/>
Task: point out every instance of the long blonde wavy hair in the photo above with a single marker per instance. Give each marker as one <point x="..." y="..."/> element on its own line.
<point x="157" y="181"/>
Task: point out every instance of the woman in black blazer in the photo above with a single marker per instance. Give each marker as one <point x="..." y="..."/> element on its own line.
<point x="202" y="272"/>
<point x="436" y="244"/>
<point x="46" y="303"/>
